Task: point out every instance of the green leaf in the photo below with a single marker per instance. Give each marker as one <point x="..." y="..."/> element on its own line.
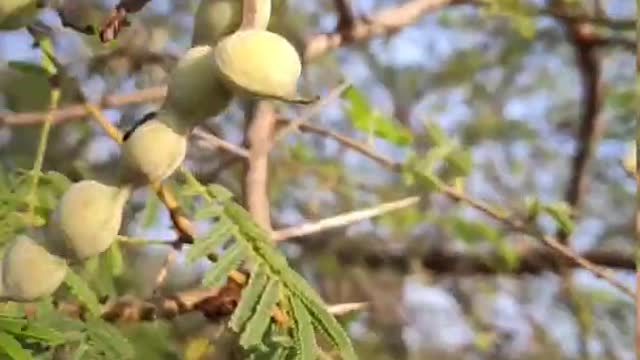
<point x="108" y="339"/>
<point x="81" y="290"/>
<point x="323" y="321"/>
<point x="561" y="213"/>
<point x="304" y="335"/>
<point x="207" y="212"/>
<point x="436" y="135"/>
<point x="219" y="192"/>
<point x="12" y="347"/>
<point x="472" y="232"/>
<point x="261" y="318"/>
<point x="365" y="118"/>
<point x="250" y="297"/>
<point x="151" y="211"/>
<point x="114" y="260"/>
<point x="58" y="181"/>
<point x="459" y="162"/>
<point x="201" y="247"/>
<point x="433" y="156"/>
<point x="229" y="261"/>
<point x="42" y="334"/>
<point x="429" y="181"/>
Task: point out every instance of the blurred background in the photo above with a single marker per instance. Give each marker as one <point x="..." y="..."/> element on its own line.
<point x="538" y="96"/>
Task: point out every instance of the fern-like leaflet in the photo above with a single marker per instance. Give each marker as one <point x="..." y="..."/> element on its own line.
<point x="250" y="297"/>
<point x="259" y="322"/>
<point x="252" y="316"/>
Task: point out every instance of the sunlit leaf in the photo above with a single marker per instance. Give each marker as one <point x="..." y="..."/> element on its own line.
<point x="367" y="119"/>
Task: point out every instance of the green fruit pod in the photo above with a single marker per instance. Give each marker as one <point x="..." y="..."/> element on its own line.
<point x="215" y="19"/>
<point x="260" y="63"/>
<point x="154" y="149"/>
<point x="195" y="90"/>
<point x="29" y="272"/>
<point x="15" y="14"/>
<point x="86" y="220"/>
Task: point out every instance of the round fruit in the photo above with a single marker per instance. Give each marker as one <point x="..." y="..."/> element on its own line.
<point x="87" y="219"/>
<point x="154" y="149"/>
<point x="15" y="14"/>
<point x="218" y="18"/>
<point x="29" y="272"/>
<point x="195" y="91"/>
<point x="259" y="63"/>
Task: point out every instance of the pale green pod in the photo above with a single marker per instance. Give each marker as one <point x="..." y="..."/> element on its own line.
<point x="86" y="220"/>
<point x="259" y="63"/>
<point x="154" y="149"/>
<point x="15" y="14"/>
<point x="215" y="19"/>
<point x="29" y="272"/>
<point x="195" y="90"/>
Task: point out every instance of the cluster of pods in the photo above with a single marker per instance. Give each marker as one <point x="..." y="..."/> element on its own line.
<point x="226" y="61"/>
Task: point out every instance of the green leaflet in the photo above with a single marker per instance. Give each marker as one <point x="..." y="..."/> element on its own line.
<point x="207" y="212"/>
<point x="366" y="118"/>
<point x="214" y="239"/>
<point x="12" y="347"/>
<point x="113" y="258"/>
<point x="304" y="335"/>
<point x="261" y="318"/>
<point x="81" y="290"/>
<point x="250" y="297"/>
<point x="219" y="192"/>
<point x="231" y="258"/>
<point x="107" y="339"/>
<point x="30" y="331"/>
<point x="256" y="238"/>
<point x="151" y="211"/>
<point x="561" y="212"/>
<point x="12" y="324"/>
<point x="321" y="318"/>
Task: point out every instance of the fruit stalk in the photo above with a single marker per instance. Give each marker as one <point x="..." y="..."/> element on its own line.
<point x="250" y="11"/>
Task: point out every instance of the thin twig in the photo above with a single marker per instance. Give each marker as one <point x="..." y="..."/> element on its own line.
<point x="118" y="18"/>
<point x="347" y="142"/>
<point x="346" y="308"/>
<point x="345" y="14"/>
<point x="42" y="146"/>
<point x="311" y="111"/>
<point x="343" y="219"/>
<point x="215" y="142"/>
<point x="553" y="243"/>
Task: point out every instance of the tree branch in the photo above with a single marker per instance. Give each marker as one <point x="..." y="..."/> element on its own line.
<point x="214" y="304"/>
<point x="383" y="22"/>
<point x="76" y="111"/>
<point x="591" y="98"/>
<point x="531" y="260"/>
<point x="258" y="139"/>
